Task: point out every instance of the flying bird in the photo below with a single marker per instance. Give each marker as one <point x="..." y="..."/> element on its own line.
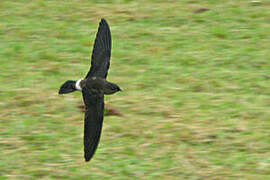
<point x="93" y="88"/>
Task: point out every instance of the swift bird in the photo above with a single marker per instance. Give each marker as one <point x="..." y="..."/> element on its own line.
<point x="93" y="88"/>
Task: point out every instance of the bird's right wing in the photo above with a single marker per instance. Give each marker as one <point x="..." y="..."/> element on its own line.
<point x="93" y="120"/>
<point x="101" y="55"/>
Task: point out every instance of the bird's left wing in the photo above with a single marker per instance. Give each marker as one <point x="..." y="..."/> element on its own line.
<point x="101" y="55"/>
<point x="93" y="120"/>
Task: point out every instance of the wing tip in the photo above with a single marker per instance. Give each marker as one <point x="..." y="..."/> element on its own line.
<point x="88" y="157"/>
<point x="103" y="22"/>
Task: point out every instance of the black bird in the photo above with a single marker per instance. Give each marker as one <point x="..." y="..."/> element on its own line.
<point x="93" y="88"/>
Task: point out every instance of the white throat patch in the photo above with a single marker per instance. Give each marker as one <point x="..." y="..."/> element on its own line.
<point x="77" y="85"/>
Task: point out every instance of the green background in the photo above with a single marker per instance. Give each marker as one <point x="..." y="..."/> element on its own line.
<point x="196" y="89"/>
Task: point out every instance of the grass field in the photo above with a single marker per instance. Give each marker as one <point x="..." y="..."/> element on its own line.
<point x="196" y="87"/>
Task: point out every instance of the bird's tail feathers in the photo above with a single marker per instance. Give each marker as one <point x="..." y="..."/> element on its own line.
<point x="68" y="87"/>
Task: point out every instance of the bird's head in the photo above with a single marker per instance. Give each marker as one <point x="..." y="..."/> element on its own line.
<point x="112" y="88"/>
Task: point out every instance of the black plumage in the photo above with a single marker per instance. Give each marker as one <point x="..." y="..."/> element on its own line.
<point x="101" y="54"/>
<point x="93" y="120"/>
<point x="93" y="88"/>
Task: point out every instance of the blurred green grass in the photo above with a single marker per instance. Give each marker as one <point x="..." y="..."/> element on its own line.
<point x="196" y="89"/>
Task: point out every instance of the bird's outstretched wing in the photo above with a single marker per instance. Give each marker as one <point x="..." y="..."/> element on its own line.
<point x="101" y="52"/>
<point x="93" y="120"/>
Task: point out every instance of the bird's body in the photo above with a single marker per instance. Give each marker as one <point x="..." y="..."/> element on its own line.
<point x="98" y="85"/>
<point x="93" y="88"/>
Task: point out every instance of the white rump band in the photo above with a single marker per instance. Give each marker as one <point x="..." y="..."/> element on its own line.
<point x="77" y="85"/>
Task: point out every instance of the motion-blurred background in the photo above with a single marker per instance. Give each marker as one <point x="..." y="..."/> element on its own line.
<point x="196" y="83"/>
